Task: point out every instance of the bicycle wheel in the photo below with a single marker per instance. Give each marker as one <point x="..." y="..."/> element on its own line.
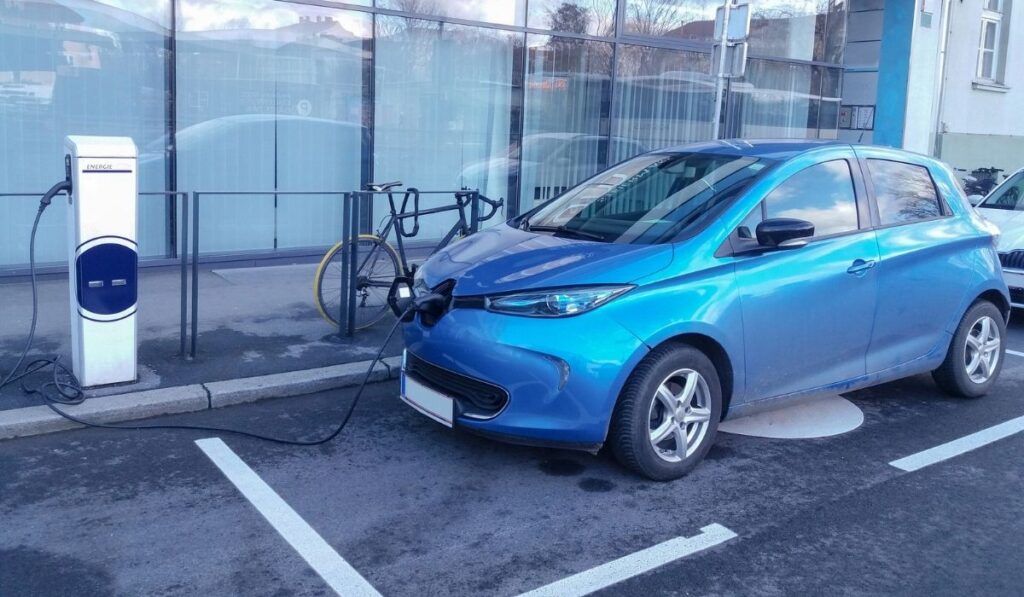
<point x="376" y="269"/>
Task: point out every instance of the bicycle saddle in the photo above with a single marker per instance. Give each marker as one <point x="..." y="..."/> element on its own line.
<point x="383" y="187"/>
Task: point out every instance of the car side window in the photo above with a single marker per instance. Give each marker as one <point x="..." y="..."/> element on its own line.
<point x="904" y="192"/>
<point x="1009" y="196"/>
<point x="822" y="194"/>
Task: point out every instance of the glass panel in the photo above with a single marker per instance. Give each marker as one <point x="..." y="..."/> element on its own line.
<point x="1009" y="195"/>
<point x="989" y="35"/>
<point x="904" y="192"/>
<point x="592" y="17"/>
<point x="96" y="68"/>
<point x="566" y="129"/>
<point x="662" y="97"/>
<point x="692" y="20"/>
<point x="270" y="96"/>
<point x="504" y="12"/>
<point x="798" y="29"/>
<point x="444" y="109"/>
<point x="993" y="5"/>
<point x="822" y="194"/>
<point x="986" y="64"/>
<point x="774" y="100"/>
<point x="651" y="198"/>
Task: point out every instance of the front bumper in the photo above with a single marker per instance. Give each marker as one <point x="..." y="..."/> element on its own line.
<point x="562" y="376"/>
<point x="1015" y="281"/>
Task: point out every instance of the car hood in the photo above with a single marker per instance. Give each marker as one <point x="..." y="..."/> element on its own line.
<point x="503" y="259"/>
<point x="1011" y="227"/>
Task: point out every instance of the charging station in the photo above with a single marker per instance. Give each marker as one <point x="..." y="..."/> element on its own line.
<point x="103" y="258"/>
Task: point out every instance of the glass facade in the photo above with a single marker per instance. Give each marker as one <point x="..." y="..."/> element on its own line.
<point x="519" y="98"/>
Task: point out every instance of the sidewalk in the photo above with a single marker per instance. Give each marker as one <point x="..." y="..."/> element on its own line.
<point x="253" y="321"/>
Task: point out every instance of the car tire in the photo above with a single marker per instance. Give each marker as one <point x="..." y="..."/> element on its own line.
<point x="642" y="413"/>
<point x="956" y="376"/>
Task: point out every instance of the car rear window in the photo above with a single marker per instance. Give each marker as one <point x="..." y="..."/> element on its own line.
<point x="904" y="192"/>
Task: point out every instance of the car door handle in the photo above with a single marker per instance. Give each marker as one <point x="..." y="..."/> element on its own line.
<point x="860" y="266"/>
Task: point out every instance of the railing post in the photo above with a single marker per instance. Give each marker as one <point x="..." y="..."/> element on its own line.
<point x="195" y="272"/>
<point x="346" y="229"/>
<point x="351" y="257"/>
<point x="183" y="255"/>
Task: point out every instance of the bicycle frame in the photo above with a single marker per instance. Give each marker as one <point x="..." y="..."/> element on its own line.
<point x="394" y="219"/>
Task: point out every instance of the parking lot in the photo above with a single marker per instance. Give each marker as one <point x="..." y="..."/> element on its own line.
<point x="400" y="504"/>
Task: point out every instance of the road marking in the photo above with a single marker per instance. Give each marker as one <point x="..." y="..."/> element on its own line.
<point x="1014" y="353"/>
<point x="959" y="446"/>
<point x="331" y="567"/>
<point x="634" y="564"/>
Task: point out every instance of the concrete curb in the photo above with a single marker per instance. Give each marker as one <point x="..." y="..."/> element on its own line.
<point x="37" y="420"/>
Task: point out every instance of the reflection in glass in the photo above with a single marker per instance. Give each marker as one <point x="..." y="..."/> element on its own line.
<point x="662" y="98"/>
<point x="566" y="127"/>
<point x="782" y="100"/>
<point x="270" y="96"/>
<point x="444" y="109"/>
<point x="590" y="17"/>
<point x="503" y="12"/>
<point x="904" y="192"/>
<point x="96" y="68"/>
<point x="690" y="20"/>
<point x="649" y="199"/>
<point x="798" y="29"/>
<point x="821" y="194"/>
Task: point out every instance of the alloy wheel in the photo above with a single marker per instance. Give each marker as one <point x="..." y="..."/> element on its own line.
<point x="680" y="415"/>
<point x="982" y="353"/>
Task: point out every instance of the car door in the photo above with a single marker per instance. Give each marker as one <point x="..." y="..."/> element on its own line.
<point x="807" y="311"/>
<point x="920" y="287"/>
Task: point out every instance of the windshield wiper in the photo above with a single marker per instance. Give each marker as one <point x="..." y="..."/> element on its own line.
<point x="567" y="232"/>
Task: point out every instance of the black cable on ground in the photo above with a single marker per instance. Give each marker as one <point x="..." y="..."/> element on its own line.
<point x="69" y="390"/>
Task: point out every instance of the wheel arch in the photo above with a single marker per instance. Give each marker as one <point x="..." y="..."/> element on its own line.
<point x="714" y="350"/>
<point x="998" y="299"/>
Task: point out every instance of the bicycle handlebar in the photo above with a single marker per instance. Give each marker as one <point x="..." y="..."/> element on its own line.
<point x="494" y="205"/>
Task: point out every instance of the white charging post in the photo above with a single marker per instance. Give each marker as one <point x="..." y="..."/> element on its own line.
<point x="103" y="258"/>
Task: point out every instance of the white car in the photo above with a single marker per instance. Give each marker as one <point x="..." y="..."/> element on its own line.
<point x="1004" y="207"/>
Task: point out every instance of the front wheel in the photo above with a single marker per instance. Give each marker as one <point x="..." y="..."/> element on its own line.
<point x="667" y="415"/>
<point x="376" y="268"/>
<point x="975" y="354"/>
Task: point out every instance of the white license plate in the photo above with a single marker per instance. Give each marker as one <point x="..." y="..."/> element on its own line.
<point x="428" y="401"/>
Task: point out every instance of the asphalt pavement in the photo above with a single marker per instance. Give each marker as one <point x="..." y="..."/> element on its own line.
<point x="416" y="509"/>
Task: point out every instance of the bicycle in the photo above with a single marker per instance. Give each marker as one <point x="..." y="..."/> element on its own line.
<point x="379" y="262"/>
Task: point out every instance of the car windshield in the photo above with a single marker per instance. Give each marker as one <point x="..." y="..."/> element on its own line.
<point x="1009" y="195"/>
<point x="649" y="199"/>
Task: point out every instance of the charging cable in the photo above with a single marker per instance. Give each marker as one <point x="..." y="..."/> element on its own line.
<point x="69" y="389"/>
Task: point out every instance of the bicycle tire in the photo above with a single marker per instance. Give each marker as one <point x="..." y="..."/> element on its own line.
<point x="373" y="252"/>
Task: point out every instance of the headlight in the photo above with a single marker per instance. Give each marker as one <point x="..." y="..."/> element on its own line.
<point x="554" y="303"/>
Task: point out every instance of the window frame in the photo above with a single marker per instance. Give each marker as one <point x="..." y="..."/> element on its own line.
<point x="995" y="18"/>
<point x="944" y="210"/>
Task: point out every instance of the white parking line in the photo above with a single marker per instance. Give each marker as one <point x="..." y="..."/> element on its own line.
<point x="1014" y="353"/>
<point x="634" y="564"/>
<point x="959" y="446"/>
<point x="335" y="571"/>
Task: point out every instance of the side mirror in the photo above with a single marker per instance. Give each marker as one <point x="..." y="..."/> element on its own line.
<point x="974" y="200"/>
<point x="784" y="233"/>
<point x="400" y="298"/>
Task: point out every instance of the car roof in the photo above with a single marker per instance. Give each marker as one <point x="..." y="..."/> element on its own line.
<point x="778" y="149"/>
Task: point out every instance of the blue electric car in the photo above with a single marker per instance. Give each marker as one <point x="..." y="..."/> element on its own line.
<point x="641" y="307"/>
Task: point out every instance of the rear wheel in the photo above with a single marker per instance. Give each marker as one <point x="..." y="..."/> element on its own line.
<point x="377" y="267"/>
<point x="975" y="354"/>
<point x="667" y="415"/>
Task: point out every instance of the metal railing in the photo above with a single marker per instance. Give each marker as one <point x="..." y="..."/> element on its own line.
<point x="354" y="205"/>
<point x="182" y="250"/>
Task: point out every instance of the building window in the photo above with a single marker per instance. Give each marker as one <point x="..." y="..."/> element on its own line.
<point x="990" y="46"/>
